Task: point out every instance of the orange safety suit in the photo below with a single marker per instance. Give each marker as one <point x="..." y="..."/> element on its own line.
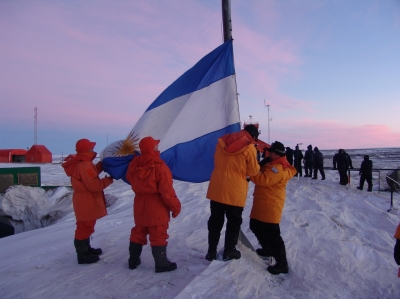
<point x="155" y="198"/>
<point x="88" y="199"/>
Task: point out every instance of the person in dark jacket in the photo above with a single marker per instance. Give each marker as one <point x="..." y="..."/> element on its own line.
<point x="366" y="173"/>
<point x="308" y="161"/>
<point x="289" y="155"/>
<point x="340" y="162"/>
<point x="318" y="164"/>
<point x="349" y="161"/>
<point x="298" y="157"/>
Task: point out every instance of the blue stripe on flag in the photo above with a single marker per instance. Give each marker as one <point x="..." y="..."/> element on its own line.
<point x="217" y="65"/>
<point x="194" y="161"/>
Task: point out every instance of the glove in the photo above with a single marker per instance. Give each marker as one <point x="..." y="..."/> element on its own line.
<point x="110" y="179"/>
<point x="396" y="253"/>
<point x="175" y="214"/>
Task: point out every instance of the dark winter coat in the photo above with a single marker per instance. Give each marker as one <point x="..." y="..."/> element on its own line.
<point x="366" y="166"/>
<point x="318" y="158"/>
<point x="349" y="162"/>
<point x="289" y="155"/>
<point x="340" y="160"/>
<point x="298" y="156"/>
<point x="308" y="156"/>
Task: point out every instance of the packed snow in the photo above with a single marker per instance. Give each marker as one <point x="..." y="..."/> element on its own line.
<point x="339" y="243"/>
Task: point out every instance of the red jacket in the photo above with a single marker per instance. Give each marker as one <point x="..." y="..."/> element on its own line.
<point x="88" y="198"/>
<point x="155" y="197"/>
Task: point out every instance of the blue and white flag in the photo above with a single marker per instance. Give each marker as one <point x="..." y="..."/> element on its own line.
<point x="188" y="117"/>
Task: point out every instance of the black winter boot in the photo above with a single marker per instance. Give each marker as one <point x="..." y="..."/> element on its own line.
<point x="281" y="265"/>
<point x="369" y="188"/>
<point x="213" y="239"/>
<point x="162" y="262"/>
<point x="94" y="251"/>
<point x="230" y="251"/>
<point x="135" y="250"/>
<point x="83" y="252"/>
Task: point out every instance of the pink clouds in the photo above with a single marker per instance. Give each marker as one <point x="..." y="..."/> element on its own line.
<point x="328" y="135"/>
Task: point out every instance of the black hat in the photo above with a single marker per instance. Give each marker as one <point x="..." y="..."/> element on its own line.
<point x="252" y="130"/>
<point x="277" y="148"/>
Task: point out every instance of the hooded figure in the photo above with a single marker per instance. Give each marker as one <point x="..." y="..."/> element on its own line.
<point x="155" y="199"/>
<point x="269" y="200"/>
<point x="366" y="173"/>
<point x="298" y="157"/>
<point x="318" y="164"/>
<point x="88" y="199"/>
<point x="308" y="161"/>
<point x="289" y="155"/>
<point x="341" y="163"/>
<point x="234" y="160"/>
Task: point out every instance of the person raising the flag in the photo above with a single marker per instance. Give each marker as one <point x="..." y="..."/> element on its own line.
<point x="269" y="200"/>
<point x="234" y="160"/>
<point x="155" y="199"/>
<point x="88" y="199"/>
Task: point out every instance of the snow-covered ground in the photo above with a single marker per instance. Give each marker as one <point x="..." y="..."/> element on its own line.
<point x="339" y="244"/>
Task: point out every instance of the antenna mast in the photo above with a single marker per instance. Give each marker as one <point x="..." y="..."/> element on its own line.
<point x="35" y="126"/>
<point x="267" y="105"/>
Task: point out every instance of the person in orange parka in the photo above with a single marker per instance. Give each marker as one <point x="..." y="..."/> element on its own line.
<point x="234" y="160"/>
<point x="88" y="198"/>
<point x="396" y="252"/>
<point x="269" y="200"/>
<point x="155" y="198"/>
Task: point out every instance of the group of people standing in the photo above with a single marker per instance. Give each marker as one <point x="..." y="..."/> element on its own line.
<point x="313" y="161"/>
<point x="155" y="201"/>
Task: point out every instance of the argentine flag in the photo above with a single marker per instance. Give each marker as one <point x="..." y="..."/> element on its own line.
<point x="188" y="117"/>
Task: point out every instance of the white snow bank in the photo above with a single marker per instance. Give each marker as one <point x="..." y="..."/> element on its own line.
<point x="33" y="207"/>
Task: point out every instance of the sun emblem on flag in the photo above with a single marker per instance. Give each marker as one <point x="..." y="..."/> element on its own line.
<point x="128" y="146"/>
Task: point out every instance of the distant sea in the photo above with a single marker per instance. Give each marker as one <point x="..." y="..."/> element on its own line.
<point x="382" y="158"/>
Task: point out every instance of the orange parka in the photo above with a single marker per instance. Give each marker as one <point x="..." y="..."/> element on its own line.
<point x="155" y="197"/>
<point x="270" y="190"/>
<point x="88" y="198"/>
<point x="234" y="160"/>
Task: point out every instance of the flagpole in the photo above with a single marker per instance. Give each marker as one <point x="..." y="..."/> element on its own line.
<point x="226" y="20"/>
<point x="227" y="25"/>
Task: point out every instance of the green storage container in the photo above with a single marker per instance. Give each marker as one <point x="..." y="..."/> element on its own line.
<point x="26" y="176"/>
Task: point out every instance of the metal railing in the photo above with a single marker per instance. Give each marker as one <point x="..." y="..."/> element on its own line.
<point x="392" y="190"/>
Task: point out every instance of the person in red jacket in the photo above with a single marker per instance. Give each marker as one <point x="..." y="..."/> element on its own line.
<point x="269" y="200"/>
<point x="88" y="198"/>
<point x="155" y="198"/>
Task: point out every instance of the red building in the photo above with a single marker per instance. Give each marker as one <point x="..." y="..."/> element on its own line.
<point x="12" y="155"/>
<point x="38" y="154"/>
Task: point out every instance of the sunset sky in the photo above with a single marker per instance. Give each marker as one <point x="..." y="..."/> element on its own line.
<point x="329" y="69"/>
